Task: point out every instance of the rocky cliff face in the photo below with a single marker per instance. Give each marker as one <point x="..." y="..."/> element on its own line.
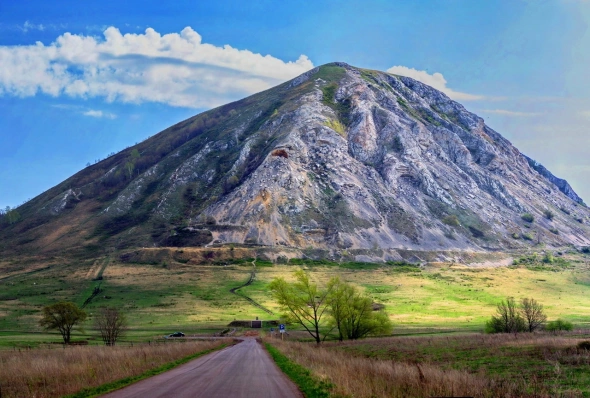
<point x="339" y="159"/>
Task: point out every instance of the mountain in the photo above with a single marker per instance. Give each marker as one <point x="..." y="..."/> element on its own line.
<point x="338" y="160"/>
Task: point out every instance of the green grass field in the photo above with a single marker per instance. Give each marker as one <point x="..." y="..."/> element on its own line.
<point x="162" y="298"/>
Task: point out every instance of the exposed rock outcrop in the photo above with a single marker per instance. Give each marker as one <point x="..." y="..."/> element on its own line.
<point x="339" y="159"/>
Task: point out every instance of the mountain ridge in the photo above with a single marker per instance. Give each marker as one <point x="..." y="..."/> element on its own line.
<point x="339" y="159"/>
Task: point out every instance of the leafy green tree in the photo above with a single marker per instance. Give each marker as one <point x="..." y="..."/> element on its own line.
<point x="130" y="166"/>
<point x="111" y="323"/>
<point x="63" y="316"/>
<point x="135" y="154"/>
<point x="11" y="215"/>
<point x="352" y="313"/>
<point x="302" y="301"/>
<point x="507" y="319"/>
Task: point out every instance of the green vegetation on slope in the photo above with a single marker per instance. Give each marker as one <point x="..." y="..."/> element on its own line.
<point x="169" y="295"/>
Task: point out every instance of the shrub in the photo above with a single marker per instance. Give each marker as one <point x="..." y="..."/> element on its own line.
<point x="548" y="214"/>
<point x="548" y="258"/>
<point x="451" y="220"/>
<point x="476" y="232"/>
<point x="230" y="184"/>
<point x="566" y="211"/>
<point x="584" y="345"/>
<point x="507" y="319"/>
<point x="527" y="236"/>
<point x="528" y="217"/>
<point x="585" y="249"/>
<point x="554" y="231"/>
<point x="337" y="126"/>
<point x="559" y="325"/>
<point x="515" y="235"/>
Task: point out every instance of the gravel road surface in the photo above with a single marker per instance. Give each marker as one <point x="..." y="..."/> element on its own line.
<point x="243" y="370"/>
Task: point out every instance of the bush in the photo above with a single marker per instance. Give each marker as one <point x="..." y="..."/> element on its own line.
<point x="507" y="319"/>
<point x="585" y="249"/>
<point x="451" y="220"/>
<point x="548" y="214"/>
<point x="528" y="217"/>
<point x="337" y="126"/>
<point x="548" y="258"/>
<point x="559" y="325"/>
<point x="584" y="345"/>
<point x="527" y="236"/>
<point x="554" y="231"/>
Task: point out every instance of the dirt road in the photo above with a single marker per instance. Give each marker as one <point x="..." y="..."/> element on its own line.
<point x="243" y="370"/>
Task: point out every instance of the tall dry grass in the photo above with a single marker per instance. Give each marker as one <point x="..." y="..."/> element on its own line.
<point x="364" y="377"/>
<point x="56" y="372"/>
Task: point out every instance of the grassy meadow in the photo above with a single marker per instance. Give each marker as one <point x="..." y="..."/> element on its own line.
<point x="162" y="298"/>
<point x="438" y="311"/>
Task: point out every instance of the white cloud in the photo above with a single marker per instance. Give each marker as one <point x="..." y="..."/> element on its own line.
<point x="176" y="69"/>
<point x="510" y="113"/>
<point x="436" y="80"/>
<point x="31" y="26"/>
<point x="95" y="113"/>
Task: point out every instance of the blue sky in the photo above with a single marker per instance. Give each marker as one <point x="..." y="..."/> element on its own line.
<point x="81" y="79"/>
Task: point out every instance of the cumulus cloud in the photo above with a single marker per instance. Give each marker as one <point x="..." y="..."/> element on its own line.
<point x="510" y="113"/>
<point x="436" y="80"/>
<point x="99" y="114"/>
<point x="177" y="69"/>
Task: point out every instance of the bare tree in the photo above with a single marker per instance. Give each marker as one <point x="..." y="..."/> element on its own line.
<point x="111" y="324"/>
<point x="532" y="312"/>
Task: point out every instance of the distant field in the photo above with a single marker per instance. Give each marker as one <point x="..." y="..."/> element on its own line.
<point x="166" y="297"/>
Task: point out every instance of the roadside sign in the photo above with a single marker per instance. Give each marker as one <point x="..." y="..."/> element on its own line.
<point x="272" y="329"/>
<point x="282" y="328"/>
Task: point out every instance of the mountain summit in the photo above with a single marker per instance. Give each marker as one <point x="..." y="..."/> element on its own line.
<point x="338" y="159"/>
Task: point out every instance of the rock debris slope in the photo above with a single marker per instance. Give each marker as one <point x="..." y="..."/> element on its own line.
<point x="340" y="158"/>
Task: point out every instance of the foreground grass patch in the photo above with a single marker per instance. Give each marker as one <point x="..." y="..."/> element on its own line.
<point x="358" y="376"/>
<point x="311" y="386"/>
<point x="543" y="364"/>
<point x="90" y="371"/>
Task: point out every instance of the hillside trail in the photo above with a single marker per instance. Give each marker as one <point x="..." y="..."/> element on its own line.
<point x="249" y="282"/>
<point x="243" y="370"/>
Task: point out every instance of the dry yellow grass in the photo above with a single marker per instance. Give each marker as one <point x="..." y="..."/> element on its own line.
<point x="364" y="377"/>
<point x="55" y="372"/>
